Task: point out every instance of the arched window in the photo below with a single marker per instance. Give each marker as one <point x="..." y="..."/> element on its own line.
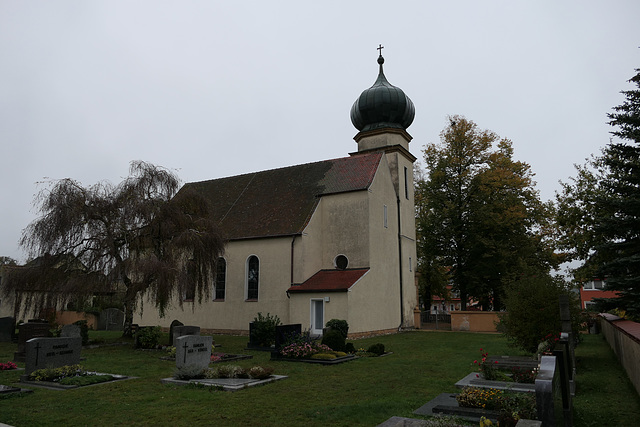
<point x="253" y="277"/>
<point x="221" y="280"/>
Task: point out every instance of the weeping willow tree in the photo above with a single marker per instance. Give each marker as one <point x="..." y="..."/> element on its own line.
<point x="142" y="235"/>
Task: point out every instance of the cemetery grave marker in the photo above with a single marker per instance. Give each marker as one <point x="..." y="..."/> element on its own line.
<point x="180" y="331"/>
<point x="51" y="353"/>
<point x="26" y="331"/>
<point x="7" y="329"/>
<point x="193" y="350"/>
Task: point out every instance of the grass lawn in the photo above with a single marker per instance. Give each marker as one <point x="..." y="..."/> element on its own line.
<point x="364" y="392"/>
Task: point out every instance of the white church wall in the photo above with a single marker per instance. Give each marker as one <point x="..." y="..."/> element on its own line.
<point x="235" y="312"/>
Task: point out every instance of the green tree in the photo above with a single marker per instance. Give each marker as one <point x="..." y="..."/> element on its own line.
<point x="599" y="211"/>
<point x="479" y="218"/>
<point x="140" y="235"/>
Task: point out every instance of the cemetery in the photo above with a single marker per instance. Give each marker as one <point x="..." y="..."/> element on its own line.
<point x="430" y="375"/>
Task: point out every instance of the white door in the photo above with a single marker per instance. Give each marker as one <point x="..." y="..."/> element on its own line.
<point x="317" y="316"/>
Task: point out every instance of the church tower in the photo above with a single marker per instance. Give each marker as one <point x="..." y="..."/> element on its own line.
<point x="382" y="115"/>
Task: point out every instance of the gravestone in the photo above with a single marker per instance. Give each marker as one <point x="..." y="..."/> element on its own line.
<point x="173" y="325"/>
<point x="549" y="393"/>
<point x="7" y="329"/>
<point x="32" y="329"/>
<point x="562" y="358"/>
<point x="51" y="353"/>
<point x="566" y="343"/>
<point x="70" y="331"/>
<point x="193" y="351"/>
<point x="180" y="331"/>
<point x="111" y="319"/>
<point x="284" y="332"/>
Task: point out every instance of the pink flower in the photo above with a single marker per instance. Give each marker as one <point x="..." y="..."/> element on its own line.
<point x="475" y="361"/>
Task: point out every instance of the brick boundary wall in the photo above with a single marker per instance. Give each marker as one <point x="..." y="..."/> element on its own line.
<point x="474" y="321"/>
<point x="624" y="338"/>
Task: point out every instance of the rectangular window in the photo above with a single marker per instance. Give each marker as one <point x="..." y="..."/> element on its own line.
<point x="385" y="217"/>
<point x="221" y="280"/>
<point x="410" y="264"/>
<point x="406" y="183"/>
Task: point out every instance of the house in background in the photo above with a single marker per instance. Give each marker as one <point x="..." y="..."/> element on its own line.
<point x="446" y="305"/>
<point x="317" y="241"/>
<point x="594" y="289"/>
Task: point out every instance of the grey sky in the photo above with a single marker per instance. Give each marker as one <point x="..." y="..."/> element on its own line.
<point x="215" y="89"/>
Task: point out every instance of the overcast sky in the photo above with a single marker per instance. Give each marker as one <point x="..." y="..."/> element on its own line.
<point x="220" y="88"/>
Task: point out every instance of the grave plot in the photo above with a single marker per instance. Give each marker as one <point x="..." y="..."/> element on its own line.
<point x="53" y="363"/>
<point x="193" y="354"/>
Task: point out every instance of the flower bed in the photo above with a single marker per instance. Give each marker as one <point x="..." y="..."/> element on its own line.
<point x="9" y="366"/>
<point x="65" y="377"/>
<point x="511" y="406"/>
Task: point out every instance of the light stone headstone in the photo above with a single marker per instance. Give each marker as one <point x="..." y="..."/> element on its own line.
<point x="7" y="328"/>
<point x="193" y="351"/>
<point x="179" y="331"/>
<point x="51" y="353"/>
<point x="71" y="331"/>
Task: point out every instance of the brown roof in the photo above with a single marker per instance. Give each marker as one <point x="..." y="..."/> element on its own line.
<point x="279" y="202"/>
<point x="330" y="281"/>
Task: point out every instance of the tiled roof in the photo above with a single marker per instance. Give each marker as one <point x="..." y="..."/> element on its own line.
<point x="330" y="281"/>
<point x="279" y="202"/>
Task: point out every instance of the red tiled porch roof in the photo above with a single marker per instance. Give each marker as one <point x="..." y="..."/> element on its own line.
<point x="330" y="281"/>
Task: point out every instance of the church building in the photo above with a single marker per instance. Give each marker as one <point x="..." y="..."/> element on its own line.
<point x="333" y="239"/>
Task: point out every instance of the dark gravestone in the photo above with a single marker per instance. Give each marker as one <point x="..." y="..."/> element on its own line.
<point x="51" y="353"/>
<point x="565" y="314"/>
<point x="566" y="343"/>
<point x="111" y="319"/>
<point x="193" y="351"/>
<point x="285" y="332"/>
<point x="27" y="331"/>
<point x="173" y="325"/>
<point x="549" y="393"/>
<point x="180" y="331"/>
<point x="70" y="331"/>
<point x="562" y="364"/>
<point x="7" y="328"/>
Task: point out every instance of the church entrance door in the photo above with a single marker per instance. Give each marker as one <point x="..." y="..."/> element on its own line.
<point x="317" y="316"/>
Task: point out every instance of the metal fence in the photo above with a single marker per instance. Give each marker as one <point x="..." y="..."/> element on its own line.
<point x="438" y="321"/>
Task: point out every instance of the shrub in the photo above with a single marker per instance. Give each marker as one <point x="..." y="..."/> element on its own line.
<point x="189" y="372"/>
<point x="55" y="374"/>
<point x="303" y="350"/>
<point x="349" y="348"/>
<point x="264" y="329"/>
<point x="260" y="372"/>
<point x="229" y="371"/>
<point x="8" y="366"/>
<point x="339" y="325"/>
<point x="148" y="337"/>
<point x="334" y="340"/>
<point x="533" y="311"/>
<point x="376" y="349"/>
<point x="84" y="331"/>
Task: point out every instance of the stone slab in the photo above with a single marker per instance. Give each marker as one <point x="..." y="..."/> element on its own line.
<point x="335" y="361"/>
<point x="43" y="353"/>
<point x="226" y="384"/>
<point x="472" y="380"/>
<point x="50" y="385"/>
<point x="403" y="422"/>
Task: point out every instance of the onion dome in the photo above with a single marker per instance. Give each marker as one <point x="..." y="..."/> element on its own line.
<point x="382" y="106"/>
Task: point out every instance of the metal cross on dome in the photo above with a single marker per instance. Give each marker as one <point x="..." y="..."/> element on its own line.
<point x="379" y="48"/>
